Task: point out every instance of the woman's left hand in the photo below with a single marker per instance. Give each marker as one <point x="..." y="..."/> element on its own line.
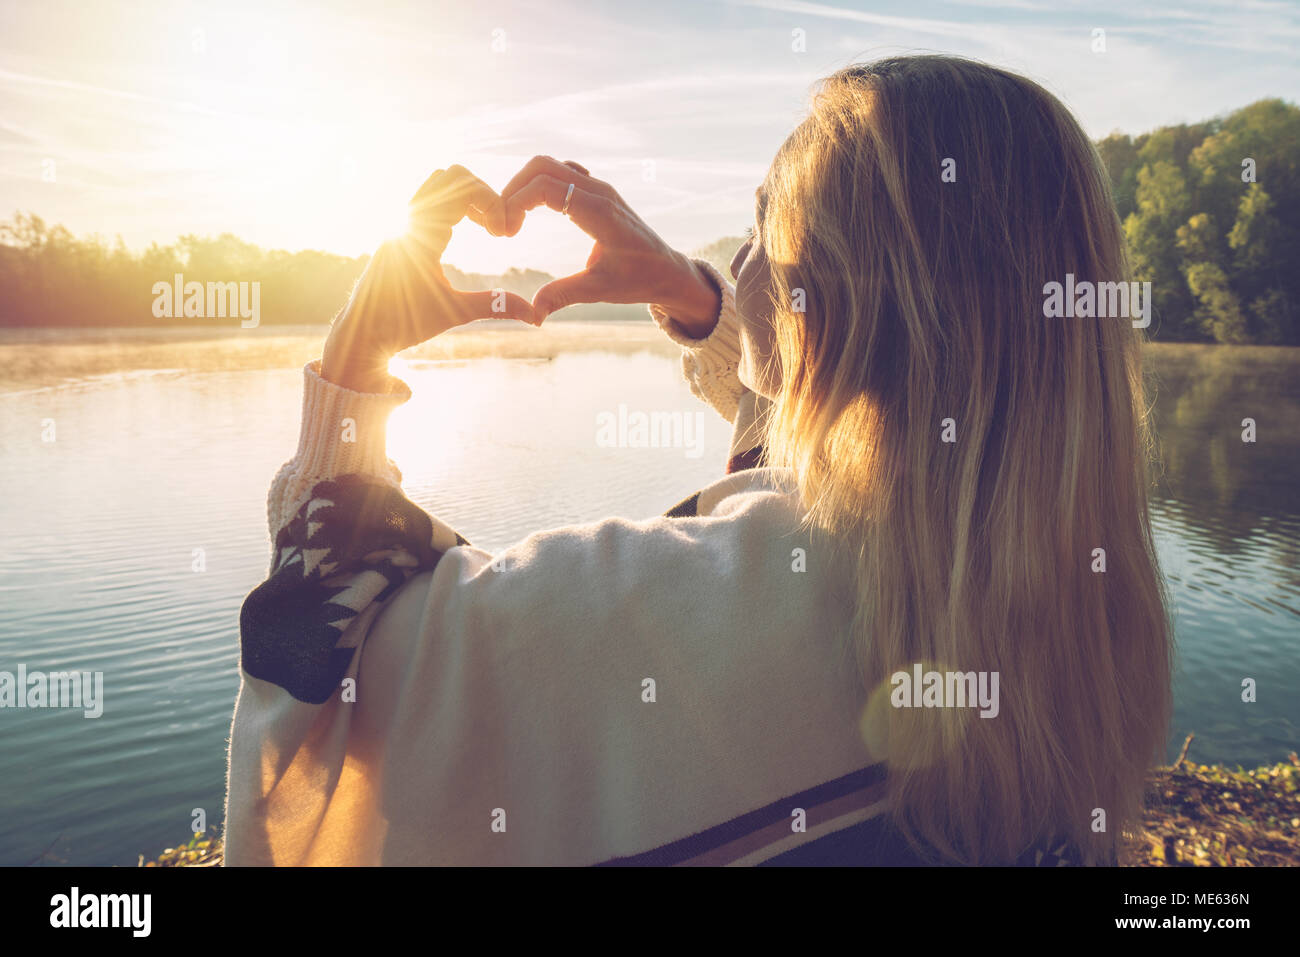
<point x="403" y="297"/>
<point x="629" y="262"/>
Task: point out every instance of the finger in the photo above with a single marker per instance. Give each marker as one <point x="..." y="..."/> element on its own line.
<point x="550" y="166"/>
<point x="448" y="196"/>
<point x="515" y="214"/>
<point x="434" y="178"/>
<point x="567" y="291"/>
<point x="494" y="304"/>
<point x="569" y="172"/>
<point x="493" y="219"/>
<point x="589" y="212"/>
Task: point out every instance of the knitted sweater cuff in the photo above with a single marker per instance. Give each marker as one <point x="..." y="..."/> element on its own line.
<point x="343" y="432"/>
<point x="710" y="364"/>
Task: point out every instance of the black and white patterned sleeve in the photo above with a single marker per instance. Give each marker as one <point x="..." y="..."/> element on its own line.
<point x="344" y="539"/>
<point x="353" y="542"/>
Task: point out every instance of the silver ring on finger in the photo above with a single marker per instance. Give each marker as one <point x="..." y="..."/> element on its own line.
<point x="567" y="196"/>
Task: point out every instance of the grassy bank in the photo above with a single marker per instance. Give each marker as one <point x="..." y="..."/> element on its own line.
<point x="1204" y="815"/>
<point x="1197" y="815"/>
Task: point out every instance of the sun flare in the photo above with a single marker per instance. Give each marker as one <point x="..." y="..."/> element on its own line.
<point x="394" y="223"/>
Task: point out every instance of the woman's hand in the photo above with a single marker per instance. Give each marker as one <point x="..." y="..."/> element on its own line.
<point x="629" y="262"/>
<point x="403" y="298"/>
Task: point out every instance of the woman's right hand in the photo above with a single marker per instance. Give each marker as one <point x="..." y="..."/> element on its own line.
<point x="629" y="262"/>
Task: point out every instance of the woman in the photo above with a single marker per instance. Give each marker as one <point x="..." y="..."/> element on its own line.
<point x="930" y="628"/>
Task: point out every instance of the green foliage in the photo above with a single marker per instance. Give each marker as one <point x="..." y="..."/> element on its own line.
<point x="1218" y="311"/>
<point x="50" y="278"/>
<point x="1214" y="223"/>
<point x="1119" y="154"/>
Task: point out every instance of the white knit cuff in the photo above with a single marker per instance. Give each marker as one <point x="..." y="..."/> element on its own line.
<point x="342" y="432"/>
<point x="722" y="345"/>
<point x="710" y="364"/>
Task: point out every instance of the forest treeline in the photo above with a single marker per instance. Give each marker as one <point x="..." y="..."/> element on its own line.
<point x="1211" y="212"/>
<point x="48" y="277"/>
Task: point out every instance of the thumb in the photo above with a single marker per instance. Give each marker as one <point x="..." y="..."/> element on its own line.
<point x="566" y="291"/>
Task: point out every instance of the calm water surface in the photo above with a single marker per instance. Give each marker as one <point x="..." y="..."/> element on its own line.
<point x="101" y="528"/>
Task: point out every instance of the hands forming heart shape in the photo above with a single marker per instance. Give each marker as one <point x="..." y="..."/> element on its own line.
<point x="404" y="297"/>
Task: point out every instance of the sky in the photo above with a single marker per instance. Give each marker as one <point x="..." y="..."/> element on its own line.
<point x="301" y="125"/>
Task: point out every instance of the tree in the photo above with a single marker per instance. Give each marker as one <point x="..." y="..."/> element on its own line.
<point x="1162" y="206"/>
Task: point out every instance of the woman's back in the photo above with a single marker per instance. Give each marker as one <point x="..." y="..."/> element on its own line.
<point x="943" y="606"/>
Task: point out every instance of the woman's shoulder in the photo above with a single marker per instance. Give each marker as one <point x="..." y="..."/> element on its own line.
<point x="733" y="535"/>
<point x="662" y="675"/>
<point x="747" y="510"/>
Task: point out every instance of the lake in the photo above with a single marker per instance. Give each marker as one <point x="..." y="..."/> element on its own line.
<point x="134" y="478"/>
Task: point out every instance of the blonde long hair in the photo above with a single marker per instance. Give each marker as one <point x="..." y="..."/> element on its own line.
<point x="909" y="290"/>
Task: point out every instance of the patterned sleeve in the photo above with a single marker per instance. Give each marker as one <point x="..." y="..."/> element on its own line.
<point x="351" y="544"/>
<point x="345" y="539"/>
<point x="344" y="536"/>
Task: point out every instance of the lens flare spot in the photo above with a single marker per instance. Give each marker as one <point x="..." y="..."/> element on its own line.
<point x="899" y="730"/>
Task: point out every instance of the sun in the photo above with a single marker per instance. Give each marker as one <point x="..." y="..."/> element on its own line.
<point x="394" y="223"/>
<point x="365" y="219"/>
